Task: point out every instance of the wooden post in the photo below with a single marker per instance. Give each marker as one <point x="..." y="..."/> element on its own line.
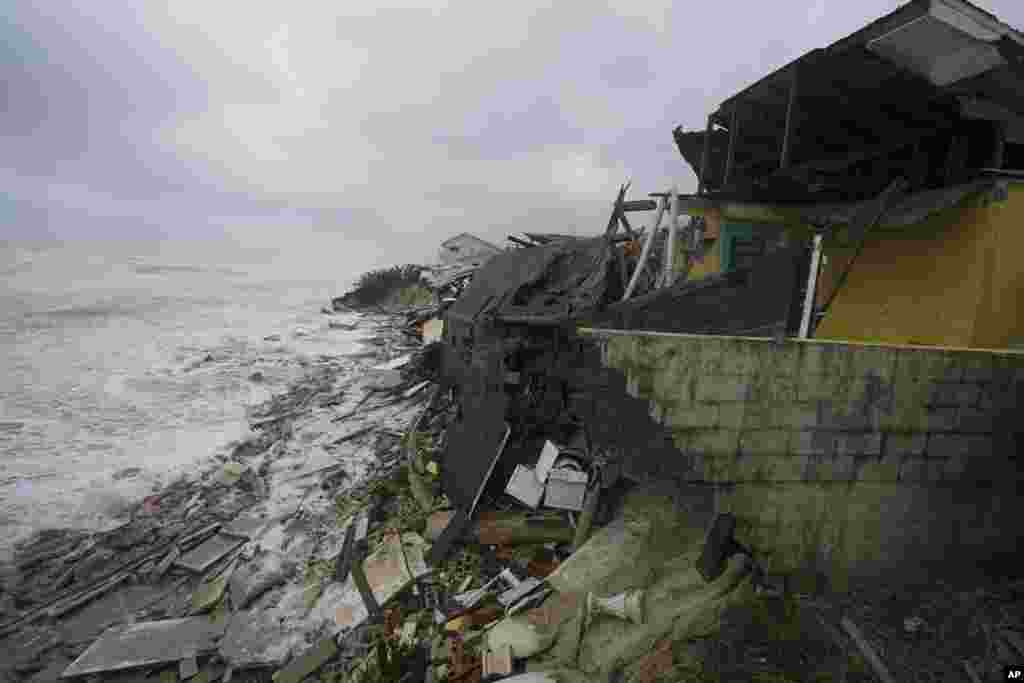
<point x="704" y="157"/>
<point x="734" y="131"/>
<point x="670" y="243"/>
<point x="812" y="284"/>
<point x="787" y="138"/>
<point x="645" y="252"/>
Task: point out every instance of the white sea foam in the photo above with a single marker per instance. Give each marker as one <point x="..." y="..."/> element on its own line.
<point x="110" y="362"/>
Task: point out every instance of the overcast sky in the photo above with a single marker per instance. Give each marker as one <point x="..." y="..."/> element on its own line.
<point x="367" y="136"/>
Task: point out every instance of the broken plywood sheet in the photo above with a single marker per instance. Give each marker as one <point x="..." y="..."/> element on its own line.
<point x="201" y="558"/>
<point x="146" y="643"/>
<point x="387" y="575"/>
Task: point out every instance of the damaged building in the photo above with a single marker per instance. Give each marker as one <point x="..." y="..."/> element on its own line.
<point x="825" y="338"/>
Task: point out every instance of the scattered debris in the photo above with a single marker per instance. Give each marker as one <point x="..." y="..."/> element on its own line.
<point x="209" y="553"/>
<point x="147" y="643"/>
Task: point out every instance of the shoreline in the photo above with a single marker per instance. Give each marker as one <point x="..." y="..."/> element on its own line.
<point x="333" y="432"/>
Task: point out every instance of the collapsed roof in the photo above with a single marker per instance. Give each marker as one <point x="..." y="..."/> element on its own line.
<point x="933" y="91"/>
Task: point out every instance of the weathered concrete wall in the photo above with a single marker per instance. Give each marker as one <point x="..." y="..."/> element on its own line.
<point x="842" y="458"/>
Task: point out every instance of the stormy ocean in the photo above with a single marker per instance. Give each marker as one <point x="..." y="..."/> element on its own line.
<point x="122" y="366"/>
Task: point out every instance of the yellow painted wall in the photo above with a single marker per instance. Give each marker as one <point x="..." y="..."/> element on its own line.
<point x="710" y="264"/>
<point x="956" y="280"/>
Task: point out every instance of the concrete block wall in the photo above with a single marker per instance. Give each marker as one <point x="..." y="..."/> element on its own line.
<point x="819" y="446"/>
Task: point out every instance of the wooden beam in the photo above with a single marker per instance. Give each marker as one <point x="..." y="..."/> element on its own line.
<point x="787" y="136"/>
<point x="734" y="133"/>
<point x="702" y="177"/>
<point x="812" y="284"/>
<point x="645" y="252"/>
<point x="522" y="243"/>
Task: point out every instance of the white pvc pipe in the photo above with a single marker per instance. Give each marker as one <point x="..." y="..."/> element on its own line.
<point x="670" y="243"/>
<point x="645" y="252"/>
<point x="812" y="285"/>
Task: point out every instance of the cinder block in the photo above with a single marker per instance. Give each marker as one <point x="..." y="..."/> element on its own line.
<point x="953" y="394"/>
<point x="765" y="442"/>
<point x="715" y="443"/>
<point x="719" y="469"/>
<point x="740" y="357"/>
<point x="926" y="365"/>
<point x="827" y="468"/>
<point x="783" y="360"/>
<point x="809" y="442"/>
<point x="872" y="362"/>
<point x="900" y="445"/>
<point x="947" y="445"/>
<point x="770" y="468"/>
<point x="858" y="444"/>
<point x="813" y="388"/>
<point x="731" y="415"/>
<point x="694" y="416"/>
<point x="978" y="369"/>
<point x="878" y="469"/>
<point x="940" y="419"/>
<point x="953" y="469"/>
<point x="722" y="389"/>
<point x="959" y="445"/>
<point x="914" y="469"/>
<point x="797" y="415"/>
<point x="810" y="359"/>
<point x="971" y="420"/>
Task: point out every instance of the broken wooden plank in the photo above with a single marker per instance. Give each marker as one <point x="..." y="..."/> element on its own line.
<point x="869" y="652"/>
<point x="146" y="643"/>
<point x="308" y="662"/>
<point x="166" y="563"/>
<point x="62" y="608"/>
<point x="208" y="553"/>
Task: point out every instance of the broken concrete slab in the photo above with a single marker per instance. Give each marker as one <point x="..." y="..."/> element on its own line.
<point x="205" y="555"/>
<point x="255" y="639"/>
<point x="147" y="643"/>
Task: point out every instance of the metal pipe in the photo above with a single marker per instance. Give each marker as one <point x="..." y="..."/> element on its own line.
<point x="670" y="243"/>
<point x="734" y="132"/>
<point x="702" y="178"/>
<point x="812" y="285"/>
<point x="645" y="252"/>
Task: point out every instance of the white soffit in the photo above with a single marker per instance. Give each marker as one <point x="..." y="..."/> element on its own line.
<point x="949" y="43"/>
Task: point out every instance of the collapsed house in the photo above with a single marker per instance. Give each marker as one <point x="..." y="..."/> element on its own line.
<point x="827" y="345"/>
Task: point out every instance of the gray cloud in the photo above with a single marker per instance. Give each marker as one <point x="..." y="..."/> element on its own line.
<point x="369" y="135"/>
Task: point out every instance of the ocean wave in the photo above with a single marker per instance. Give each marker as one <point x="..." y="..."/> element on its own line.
<point x="158" y="269"/>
